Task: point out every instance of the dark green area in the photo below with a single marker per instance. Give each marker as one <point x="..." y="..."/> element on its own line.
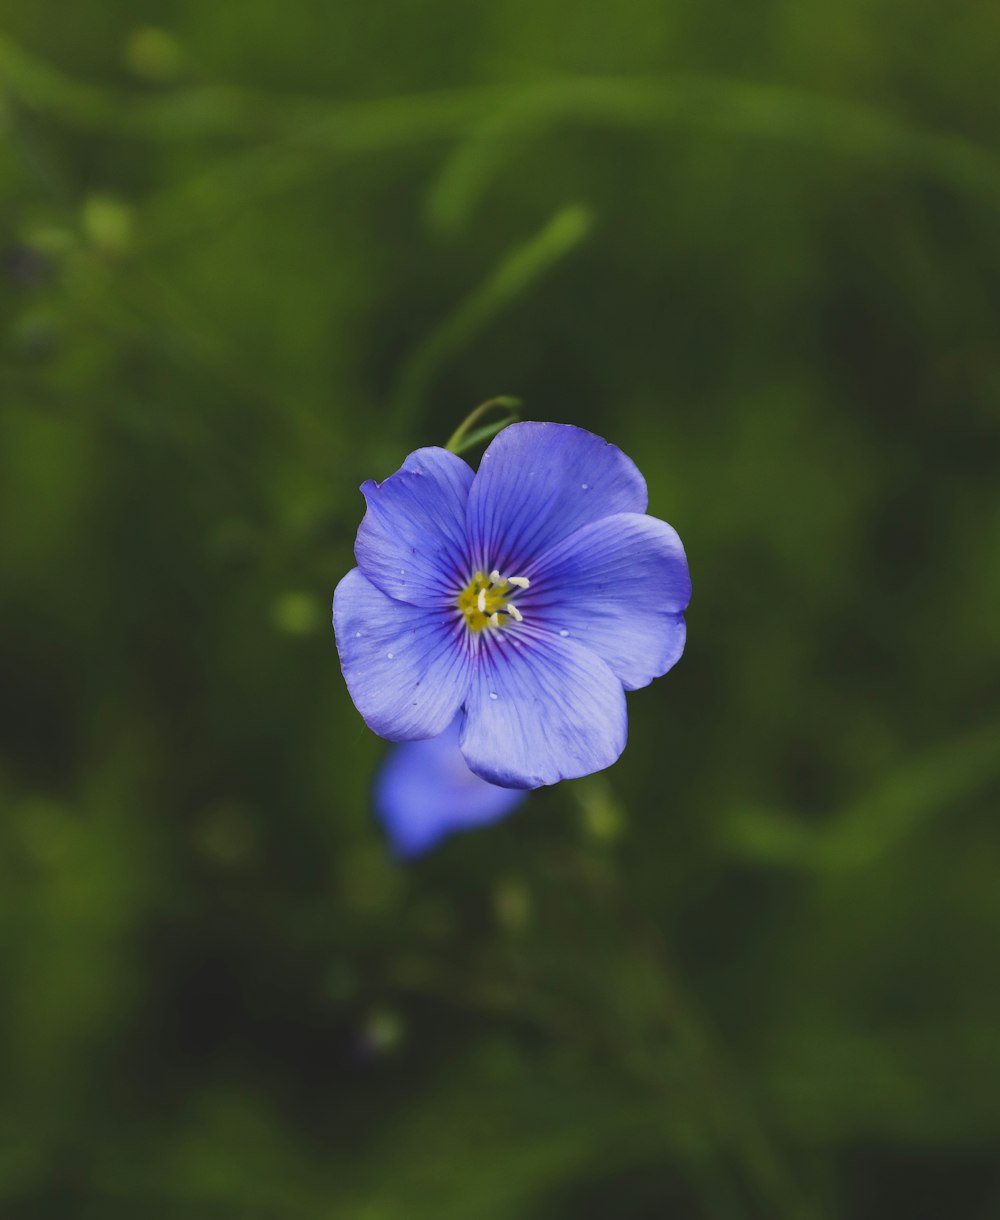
<point x="254" y="254"/>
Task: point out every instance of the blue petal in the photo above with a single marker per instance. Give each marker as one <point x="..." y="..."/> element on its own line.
<point x="540" y="709"/>
<point x="411" y="543"/>
<point x="537" y="484"/>
<point x="425" y="791"/>
<point x="407" y="667"/>
<point x="619" y="586"/>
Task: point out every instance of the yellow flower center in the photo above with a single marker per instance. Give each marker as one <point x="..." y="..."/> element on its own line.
<point x="486" y="600"/>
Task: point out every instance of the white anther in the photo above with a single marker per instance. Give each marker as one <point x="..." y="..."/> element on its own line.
<point x="519" y="582"/>
<point x="514" y="613"/>
<point x="494" y="619"/>
<point x="481" y="601"/>
<point x="495" y="577"/>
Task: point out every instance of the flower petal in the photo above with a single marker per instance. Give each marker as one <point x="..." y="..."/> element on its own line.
<point x="537" y="484"/>
<point x="407" y="667"/>
<point x="425" y="791"/>
<point x="411" y="543"/>
<point x="620" y="587"/>
<point x="540" y="709"/>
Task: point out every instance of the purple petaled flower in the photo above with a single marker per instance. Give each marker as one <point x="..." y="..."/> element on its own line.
<point x="425" y="791"/>
<point x="529" y="597"/>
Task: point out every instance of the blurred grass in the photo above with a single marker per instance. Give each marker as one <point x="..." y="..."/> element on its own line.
<point x="928" y="786"/>
<point x="252" y="257"/>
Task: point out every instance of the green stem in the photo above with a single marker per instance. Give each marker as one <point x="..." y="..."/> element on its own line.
<point x="460" y="438"/>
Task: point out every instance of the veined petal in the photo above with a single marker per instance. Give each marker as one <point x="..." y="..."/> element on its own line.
<point x="407" y="667"/>
<point x="541" y="708"/>
<point x="411" y="543"/>
<point x="537" y="484"/>
<point x="425" y="791"/>
<point x="620" y="587"/>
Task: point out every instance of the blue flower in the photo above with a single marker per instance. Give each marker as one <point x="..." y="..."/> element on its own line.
<point x="529" y="597"/>
<point x="425" y="791"/>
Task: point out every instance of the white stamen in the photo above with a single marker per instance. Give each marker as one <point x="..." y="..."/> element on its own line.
<point x="481" y="601"/>
<point x="494" y="619"/>
<point x="519" y="582"/>
<point x="494" y="577"/>
<point x="514" y="613"/>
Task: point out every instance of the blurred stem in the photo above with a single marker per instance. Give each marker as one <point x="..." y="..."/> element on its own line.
<point x="732" y="1115"/>
<point x="661" y="994"/>
<point x="686" y="101"/>
<point x="517" y="272"/>
<point x="460" y="439"/>
<point x="660" y="1039"/>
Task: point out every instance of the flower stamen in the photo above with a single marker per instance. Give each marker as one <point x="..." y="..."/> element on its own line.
<point x="486" y="600"/>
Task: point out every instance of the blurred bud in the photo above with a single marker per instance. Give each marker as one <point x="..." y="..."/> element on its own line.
<point x="502" y="1057"/>
<point x="369" y="882"/>
<point x="232" y="540"/>
<point x="226" y="834"/>
<point x="340" y="981"/>
<point x="382" y="1033"/>
<point x="512" y="905"/>
<point x="45" y="830"/>
<point x="297" y="614"/>
<point x="602" y="818"/>
<point x="107" y="222"/>
<point x="434" y="918"/>
<point x="152" y="54"/>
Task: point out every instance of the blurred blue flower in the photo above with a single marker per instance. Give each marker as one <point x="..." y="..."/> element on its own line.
<point x="425" y="791"/>
<point x="529" y="596"/>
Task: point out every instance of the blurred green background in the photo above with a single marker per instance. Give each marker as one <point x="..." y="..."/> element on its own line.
<point x="253" y="254"/>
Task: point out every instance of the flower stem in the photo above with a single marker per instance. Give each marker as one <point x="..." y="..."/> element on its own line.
<point x="463" y="438"/>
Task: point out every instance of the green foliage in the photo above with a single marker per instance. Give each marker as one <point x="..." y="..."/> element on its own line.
<point x="252" y="256"/>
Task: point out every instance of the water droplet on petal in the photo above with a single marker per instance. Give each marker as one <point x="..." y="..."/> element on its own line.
<point x="584" y="486"/>
<point x="357" y="635"/>
<point x="493" y="694"/>
<point x="564" y="633"/>
<point x="389" y="655"/>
